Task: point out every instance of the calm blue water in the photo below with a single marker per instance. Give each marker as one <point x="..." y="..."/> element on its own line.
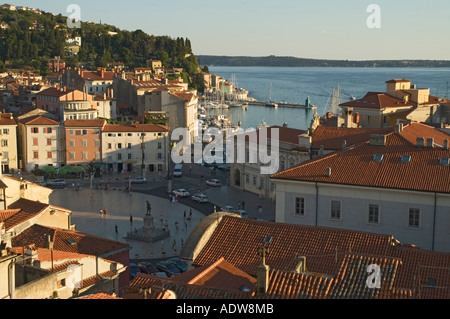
<point x="296" y="84"/>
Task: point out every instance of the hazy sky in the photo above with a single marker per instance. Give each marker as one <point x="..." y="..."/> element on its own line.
<point x="325" y="29"/>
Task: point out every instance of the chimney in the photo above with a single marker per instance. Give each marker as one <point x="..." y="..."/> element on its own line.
<point x="31" y="253"/>
<point x="262" y="273"/>
<point x="328" y="172"/>
<point x="399" y="128"/>
<point x="344" y="144"/>
<point x="420" y="142"/>
<point x="430" y="142"/>
<point x="301" y="265"/>
<point x="446" y="144"/>
<point x="377" y="140"/>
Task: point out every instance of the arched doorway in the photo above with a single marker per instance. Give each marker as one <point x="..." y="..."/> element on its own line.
<point x="237" y="178"/>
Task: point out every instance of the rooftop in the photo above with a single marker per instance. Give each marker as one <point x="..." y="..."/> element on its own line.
<point x="376" y="100"/>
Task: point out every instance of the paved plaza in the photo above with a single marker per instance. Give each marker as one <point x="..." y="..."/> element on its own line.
<point x="86" y="205"/>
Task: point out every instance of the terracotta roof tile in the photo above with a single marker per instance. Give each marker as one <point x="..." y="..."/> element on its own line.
<point x="331" y="138"/>
<point x="68" y="241"/>
<point x="355" y="166"/>
<point x="237" y="240"/>
<point x="220" y="274"/>
<point x="85" y="123"/>
<point x="148" y="128"/>
<point x="376" y="100"/>
<point x="38" y="120"/>
<point x="100" y="296"/>
<point x="27" y="210"/>
<point x="7" y="119"/>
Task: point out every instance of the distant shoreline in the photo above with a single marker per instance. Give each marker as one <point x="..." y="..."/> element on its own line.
<point x="275" y="61"/>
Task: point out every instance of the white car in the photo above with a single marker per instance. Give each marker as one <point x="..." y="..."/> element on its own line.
<point x="200" y="198"/>
<point x="181" y="193"/>
<point x="139" y="180"/>
<point x="214" y="183"/>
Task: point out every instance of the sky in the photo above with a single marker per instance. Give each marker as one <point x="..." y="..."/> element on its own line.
<point x="320" y="29"/>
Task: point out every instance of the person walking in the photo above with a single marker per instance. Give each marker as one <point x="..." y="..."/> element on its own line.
<point x="243" y="205"/>
<point x="239" y="205"/>
<point x="101" y="213"/>
<point x="117" y="230"/>
<point x="104" y="212"/>
<point x="131" y="219"/>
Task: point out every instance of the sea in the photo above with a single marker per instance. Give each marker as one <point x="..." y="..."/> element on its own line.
<point x="295" y="85"/>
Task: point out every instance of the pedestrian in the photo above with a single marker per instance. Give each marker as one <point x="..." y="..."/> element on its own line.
<point x="117" y="230"/>
<point x="243" y="205"/>
<point x="174" y="244"/>
<point x="104" y="212"/>
<point x="185" y="225"/>
<point x="176" y="225"/>
<point x="131" y="219"/>
<point x="185" y="214"/>
<point x="239" y="205"/>
<point x="190" y="213"/>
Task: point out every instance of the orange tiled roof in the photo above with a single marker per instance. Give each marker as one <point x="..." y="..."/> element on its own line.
<point x="38" y="120"/>
<point x="7" y="119"/>
<point x="331" y="138"/>
<point x="376" y="100"/>
<point x="85" y="123"/>
<point x="407" y="272"/>
<point x="397" y="81"/>
<point x="118" y="128"/>
<point x="237" y="240"/>
<point x="68" y="241"/>
<point x="100" y="295"/>
<point x="27" y="210"/>
<point x="355" y="166"/>
<point x="97" y="76"/>
<point x="54" y="92"/>
<point x="220" y="274"/>
<point x="286" y="134"/>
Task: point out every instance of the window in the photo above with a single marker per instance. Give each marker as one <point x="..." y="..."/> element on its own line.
<point x="49" y="142"/>
<point x="84" y="143"/>
<point x="159" y="146"/>
<point x="97" y="155"/>
<point x="72" y="155"/>
<point x="119" y="157"/>
<point x="49" y="155"/>
<point x="129" y="156"/>
<point x="84" y="132"/>
<point x="405" y="159"/>
<point x="414" y="218"/>
<point x="300" y="206"/>
<point x="5" y="131"/>
<point x="262" y="183"/>
<point x="254" y="180"/>
<point x="272" y="187"/>
<point x="85" y="155"/>
<point x="109" y="146"/>
<point x="374" y="211"/>
<point x="444" y="161"/>
<point x="35" y="155"/>
<point x="247" y="179"/>
<point x="5" y="155"/>
<point x="159" y="156"/>
<point x="369" y="119"/>
<point x="119" y="135"/>
<point x="48" y="130"/>
<point x="4" y="143"/>
<point x="35" y="142"/>
<point x="335" y="209"/>
<point x="159" y="168"/>
<point x="72" y="143"/>
<point x="130" y="134"/>
<point x="129" y="145"/>
<point x="97" y="143"/>
<point x="71" y="132"/>
<point x="34" y="130"/>
<point x="119" y="146"/>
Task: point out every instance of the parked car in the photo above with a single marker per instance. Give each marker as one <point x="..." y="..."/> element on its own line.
<point x="228" y="209"/>
<point x="148" y="268"/>
<point x="181" y="265"/>
<point x="161" y="274"/>
<point x="169" y="268"/>
<point x="224" y="167"/>
<point x="242" y="213"/>
<point x="134" y="270"/>
<point x="57" y="183"/>
<point x="181" y="193"/>
<point x="178" y="171"/>
<point x="139" y="180"/>
<point x="214" y="183"/>
<point x="200" y="198"/>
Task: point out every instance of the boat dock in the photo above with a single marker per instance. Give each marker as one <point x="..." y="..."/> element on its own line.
<point x="281" y="104"/>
